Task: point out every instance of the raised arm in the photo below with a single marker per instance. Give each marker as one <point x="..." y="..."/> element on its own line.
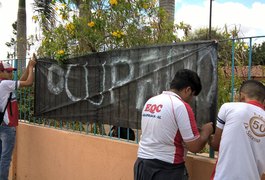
<point x="26" y="72"/>
<point x="28" y="76"/>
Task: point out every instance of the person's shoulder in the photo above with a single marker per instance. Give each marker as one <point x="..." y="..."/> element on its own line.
<point x="157" y="96"/>
<point x="181" y="105"/>
<point x="9" y="85"/>
<point x="233" y="105"/>
<point x="7" y="82"/>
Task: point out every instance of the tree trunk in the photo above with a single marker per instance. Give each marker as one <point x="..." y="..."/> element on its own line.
<point x="169" y="7"/>
<point x="21" y="34"/>
<point x="84" y="12"/>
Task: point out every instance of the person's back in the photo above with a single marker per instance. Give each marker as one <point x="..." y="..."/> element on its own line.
<point x="161" y="143"/>
<point x="169" y="129"/>
<point x="243" y="142"/>
<point x="240" y="135"/>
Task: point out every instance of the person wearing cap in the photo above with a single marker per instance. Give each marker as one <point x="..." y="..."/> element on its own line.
<point x="240" y="135"/>
<point x="9" y="110"/>
<point x="169" y="129"/>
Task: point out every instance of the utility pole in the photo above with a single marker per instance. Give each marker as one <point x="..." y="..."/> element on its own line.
<point x="210" y="21"/>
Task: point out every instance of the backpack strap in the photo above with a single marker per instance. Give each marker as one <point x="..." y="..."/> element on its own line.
<point x="9" y="100"/>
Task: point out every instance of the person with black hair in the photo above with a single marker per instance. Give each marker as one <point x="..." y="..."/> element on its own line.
<point x="9" y="110"/>
<point x="169" y="129"/>
<point x="240" y="135"/>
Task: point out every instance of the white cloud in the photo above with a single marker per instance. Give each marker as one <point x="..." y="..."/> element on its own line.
<point x="248" y="19"/>
<point x="8" y="14"/>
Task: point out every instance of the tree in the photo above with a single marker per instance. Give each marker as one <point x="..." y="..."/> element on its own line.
<point x="47" y="15"/>
<point x="225" y="39"/>
<point x="258" y="54"/>
<point x="12" y="42"/>
<point x="21" y="34"/>
<point x="93" y="26"/>
<point x="169" y="7"/>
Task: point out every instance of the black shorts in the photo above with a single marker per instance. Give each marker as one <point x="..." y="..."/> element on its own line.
<point x="153" y="169"/>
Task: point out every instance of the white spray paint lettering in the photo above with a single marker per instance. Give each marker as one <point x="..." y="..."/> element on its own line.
<point x="146" y="80"/>
<point x="58" y="87"/>
<point x="62" y="83"/>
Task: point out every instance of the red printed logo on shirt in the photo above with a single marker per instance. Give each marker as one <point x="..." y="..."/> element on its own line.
<point x="152" y="108"/>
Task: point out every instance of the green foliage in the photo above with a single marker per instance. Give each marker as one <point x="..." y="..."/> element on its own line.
<point x="25" y="98"/>
<point x="258" y="54"/>
<point x="26" y="103"/>
<point x="186" y="29"/>
<point x="94" y="26"/>
<point x="13" y="42"/>
<point x="225" y="86"/>
<point x="225" y="39"/>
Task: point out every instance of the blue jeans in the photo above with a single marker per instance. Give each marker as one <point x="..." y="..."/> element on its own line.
<point x="7" y="137"/>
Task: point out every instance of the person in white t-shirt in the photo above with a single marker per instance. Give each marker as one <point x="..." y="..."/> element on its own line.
<point x="169" y="129"/>
<point x="240" y="135"/>
<point x="9" y="110"/>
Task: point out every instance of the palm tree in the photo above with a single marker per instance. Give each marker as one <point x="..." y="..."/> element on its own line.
<point x="21" y="34"/>
<point x="169" y="7"/>
<point x="47" y="15"/>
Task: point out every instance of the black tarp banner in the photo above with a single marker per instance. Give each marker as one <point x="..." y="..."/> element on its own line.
<point x="111" y="87"/>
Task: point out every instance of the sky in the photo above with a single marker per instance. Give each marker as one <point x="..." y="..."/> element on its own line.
<point x="248" y="15"/>
<point x="8" y="15"/>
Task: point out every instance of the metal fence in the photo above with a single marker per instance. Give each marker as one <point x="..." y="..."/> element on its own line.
<point x="249" y="41"/>
<point x="25" y="97"/>
<point x="26" y="100"/>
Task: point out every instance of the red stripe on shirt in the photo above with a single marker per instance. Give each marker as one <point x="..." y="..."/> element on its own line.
<point x="192" y="120"/>
<point x="179" y="149"/>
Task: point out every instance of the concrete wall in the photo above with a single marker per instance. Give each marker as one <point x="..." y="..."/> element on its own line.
<point x="199" y="168"/>
<point x="50" y="154"/>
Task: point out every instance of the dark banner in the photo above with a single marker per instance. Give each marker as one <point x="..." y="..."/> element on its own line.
<point x="112" y="87"/>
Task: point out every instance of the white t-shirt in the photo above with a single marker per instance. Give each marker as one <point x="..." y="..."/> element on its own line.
<point x="166" y="122"/>
<point x="242" y="146"/>
<point x="7" y="86"/>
